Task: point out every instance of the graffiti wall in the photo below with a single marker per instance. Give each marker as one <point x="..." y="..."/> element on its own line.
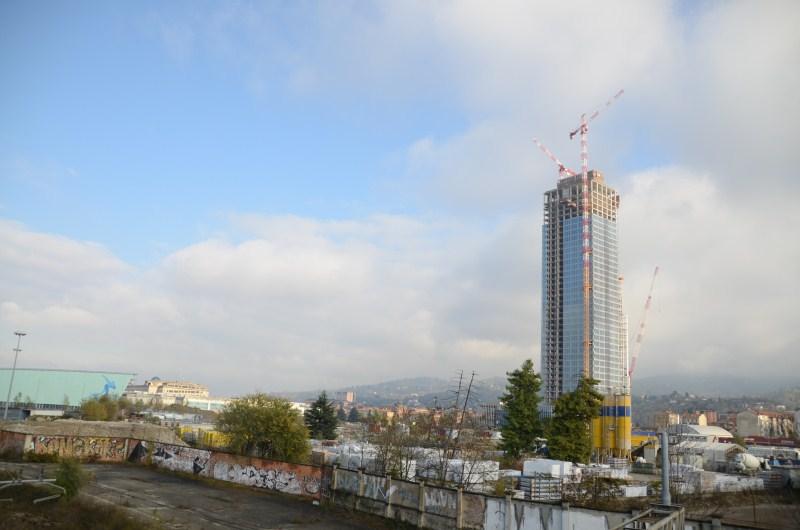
<point x="258" y="472"/>
<point x="83" y="448"/>
<point x="185" y="459"/>
<point x="12" y="443"/>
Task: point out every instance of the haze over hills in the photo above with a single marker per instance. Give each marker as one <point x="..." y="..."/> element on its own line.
<point x="416" y="391"/>
<point x="715" y="385"/>
<point x="432" y="391"/>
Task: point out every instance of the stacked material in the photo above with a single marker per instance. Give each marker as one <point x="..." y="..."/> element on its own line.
<point x="549" y="468"/>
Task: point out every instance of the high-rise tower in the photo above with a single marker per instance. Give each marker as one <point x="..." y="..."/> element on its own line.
<point x="563" y="359"/>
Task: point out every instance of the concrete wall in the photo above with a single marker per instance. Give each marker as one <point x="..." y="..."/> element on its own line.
<point x="510" y="514"/>
<point x="94" y="448"/>
<point x="81" y="447"/>
<point x="295" y="479"/>
<point x="12" y="443"/>
<point x="438" y="508"/>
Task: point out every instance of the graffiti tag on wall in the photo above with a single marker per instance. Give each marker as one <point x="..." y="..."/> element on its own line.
<point x="183" y="459"/>
<point x="82" y="447"/>
<point x="267" y="474"/>
<point x="273" y="478"/>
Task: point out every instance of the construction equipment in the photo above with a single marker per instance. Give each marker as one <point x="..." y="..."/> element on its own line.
<point x="586" y="251"/>
<point x="637" y="347"/>
<point x="562" y="169"/>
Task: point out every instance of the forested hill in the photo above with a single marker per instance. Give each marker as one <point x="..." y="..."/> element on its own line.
<point x="417" y="391"/>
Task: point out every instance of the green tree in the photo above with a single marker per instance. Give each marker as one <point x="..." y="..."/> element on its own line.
<point x="104" y="408"/>
<point x="354" y="416"/>
<point x="521" y="403"/>
<point x="264" y="426"/>
<point x="341" y="415"/>
<point x="70" y="476"/>
<point x="321" y="418"/>
<point x="570" y="429"/>
<point x="93" y="410"/>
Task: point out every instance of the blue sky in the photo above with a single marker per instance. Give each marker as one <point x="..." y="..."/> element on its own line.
<point x="107" y="137"/>
<point x="353" y="186"/>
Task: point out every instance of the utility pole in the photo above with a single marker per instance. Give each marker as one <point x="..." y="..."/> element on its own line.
<point x="665" y="493"/>
<point x="19" y="335"/>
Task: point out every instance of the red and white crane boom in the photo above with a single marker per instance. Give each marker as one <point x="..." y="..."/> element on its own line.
<point x="637" y="347"/>
<point x="562" y="169"/>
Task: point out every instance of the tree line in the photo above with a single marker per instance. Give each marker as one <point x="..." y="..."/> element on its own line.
<point x="568" y="431"/>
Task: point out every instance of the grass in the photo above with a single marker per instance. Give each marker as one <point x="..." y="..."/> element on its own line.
<point x="61" y="514"/>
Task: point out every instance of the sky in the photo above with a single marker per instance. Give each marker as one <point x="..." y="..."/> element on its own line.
<point x="283" y="196"/>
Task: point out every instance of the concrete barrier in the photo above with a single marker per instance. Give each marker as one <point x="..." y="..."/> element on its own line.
<point x="294" y="479"/>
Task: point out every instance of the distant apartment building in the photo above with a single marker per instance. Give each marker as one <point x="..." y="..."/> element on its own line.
<point x="768" y="424"/>
<point x="346" y="397"/>
<point x="712" y="418"/>
<point x="491" y="416"/>
<point x="662" y="420"/>
<point x="694" y="418"/>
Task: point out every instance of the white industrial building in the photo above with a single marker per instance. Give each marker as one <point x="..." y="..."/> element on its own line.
<point x="711" y="456"/>
<point x="699" y="433"/>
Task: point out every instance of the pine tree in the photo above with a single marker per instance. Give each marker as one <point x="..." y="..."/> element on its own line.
<point x="321" y="419"/>
<point x="521" y="403"/>
<point x="341" y="415"/>
<point x="354" y="416"/>
<point x="570" y="430"/>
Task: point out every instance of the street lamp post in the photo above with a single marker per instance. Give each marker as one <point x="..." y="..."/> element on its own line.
<point x="19" y="335"/>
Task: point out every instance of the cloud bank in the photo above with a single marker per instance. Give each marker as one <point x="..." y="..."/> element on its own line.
<point x="701" y="148"/>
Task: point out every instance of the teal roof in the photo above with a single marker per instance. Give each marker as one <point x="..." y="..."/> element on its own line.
<point x="53" y="387"/>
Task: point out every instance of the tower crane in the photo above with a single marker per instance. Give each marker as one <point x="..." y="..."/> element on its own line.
<point x="586" y="247"/>
<point x="637" y="347"/>
<point x="562" y="169"/>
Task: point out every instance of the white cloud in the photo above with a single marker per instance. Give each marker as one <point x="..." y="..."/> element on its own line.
<point x="355" y="300"/>
<point x="279" y="302"/>
<point x="726" y="296"/>
<point x="294" y="302"/>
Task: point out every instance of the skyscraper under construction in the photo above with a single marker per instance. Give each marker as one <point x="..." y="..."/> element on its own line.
<point x="565" y="288"/>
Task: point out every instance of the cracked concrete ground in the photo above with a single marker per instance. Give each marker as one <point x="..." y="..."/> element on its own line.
<point x="184" y="503"/>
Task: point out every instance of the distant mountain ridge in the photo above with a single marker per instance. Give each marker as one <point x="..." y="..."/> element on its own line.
<point x="431" y="391"/>
<point x="415" y="391"/>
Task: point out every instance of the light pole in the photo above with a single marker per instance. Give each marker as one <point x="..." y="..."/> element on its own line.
<point x="19" y="335"/>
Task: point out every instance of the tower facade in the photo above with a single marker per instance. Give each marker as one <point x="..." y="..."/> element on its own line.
<point x="563" y="291"/>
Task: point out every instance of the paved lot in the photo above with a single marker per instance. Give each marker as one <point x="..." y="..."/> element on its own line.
<point x="184" y="503"/>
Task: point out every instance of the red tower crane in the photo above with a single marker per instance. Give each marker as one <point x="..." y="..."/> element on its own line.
<point x="562" y="169"/>
<point x="637" y="347"/>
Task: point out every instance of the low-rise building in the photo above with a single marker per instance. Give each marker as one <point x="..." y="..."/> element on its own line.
<point x="695" y="418"/>
<point x="699" y="433"/>
<point x="662" y="420"/>
<point x="51" y="389"/>
<point x="169" y="388"/>
<point x="765" y="423"/>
